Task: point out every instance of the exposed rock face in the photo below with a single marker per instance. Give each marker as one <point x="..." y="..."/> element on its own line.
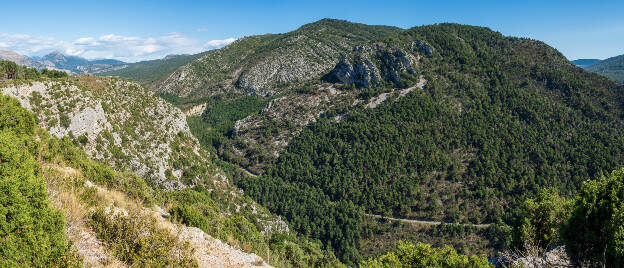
<point x="555" y="257"/>
<point x="211" y="252"/>
<point x="422" y="47"/>
<point x="360" y="69"/>
<point x="362" y="73"/>
<point x="125" y="134"/>
<point x="196" y="110"/>
<point x="180" y="82"/>
<point x="287" y="64"/>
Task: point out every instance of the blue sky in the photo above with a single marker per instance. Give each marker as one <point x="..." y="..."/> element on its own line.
<point x="138" y="30"/>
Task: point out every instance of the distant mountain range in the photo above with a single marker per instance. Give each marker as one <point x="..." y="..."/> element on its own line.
<point x="612" y="67"/>
<point x="59" y="61"/>
<point x="151" y="71"/>
<point x="584" y="62"/>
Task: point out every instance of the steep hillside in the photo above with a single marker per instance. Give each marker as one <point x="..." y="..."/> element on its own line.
<point x="257" y="64"/>
<point x="611" y="67"/>
<point x="109" y="119"/>
<point x="193" y="191"/>
<point x="110" y="219"/>
<point x="148" y="72"/>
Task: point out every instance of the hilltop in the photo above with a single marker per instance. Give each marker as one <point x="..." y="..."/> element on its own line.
<point x="257" y="63"/>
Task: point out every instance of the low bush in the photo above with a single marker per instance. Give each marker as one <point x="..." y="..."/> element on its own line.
<point x="136" y="240"/>
<point x="595" y="231"/>
<point x="423" y="255"/>
<point x="31" y="231"/>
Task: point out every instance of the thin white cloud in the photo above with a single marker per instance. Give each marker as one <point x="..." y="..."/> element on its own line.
<point x="111" y="46"/>
<point x="204" y="29"/>
<point x="212" y="44"/>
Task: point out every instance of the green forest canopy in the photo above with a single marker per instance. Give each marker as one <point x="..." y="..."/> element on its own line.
<point x="499" y="119"/>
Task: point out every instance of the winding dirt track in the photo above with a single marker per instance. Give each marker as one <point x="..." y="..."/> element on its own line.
<point x="485" y="225"/>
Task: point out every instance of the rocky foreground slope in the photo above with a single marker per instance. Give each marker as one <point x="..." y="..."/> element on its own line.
<point x="100" y="217"/>
<point x="128" y="127"/>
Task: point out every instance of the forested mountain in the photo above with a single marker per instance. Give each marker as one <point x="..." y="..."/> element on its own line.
<point x="612" y="67"/>
<point x="276" y="70"/>
<point x="151" y="71"/>
<point x="444" y="122"/>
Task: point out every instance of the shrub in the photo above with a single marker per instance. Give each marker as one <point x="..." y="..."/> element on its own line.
<point x="14" y="117"/>
<point x="205" y="217"/>
<point x="82" y="139"/>
<point x="136" y="240"/>
<point x="246" y="233"/>
<point x="53" y="73"/>
<point x="64" y="120"/>
<point x="540" y="219"/>
<point x="423" y="255"/>
<point x="31" y="231"/>
<point x="595" y="230"/>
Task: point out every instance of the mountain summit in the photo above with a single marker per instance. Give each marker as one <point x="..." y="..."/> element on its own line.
<point x="260" y="63"/>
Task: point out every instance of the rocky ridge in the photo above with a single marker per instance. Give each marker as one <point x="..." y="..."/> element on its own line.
<point x="22" y="60"/>
<point x="262" y="64"/>
<point x="109" y="119"/>
<point x="361" y="67"/>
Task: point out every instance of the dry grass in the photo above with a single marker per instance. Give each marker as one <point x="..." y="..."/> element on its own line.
<point x="64" y="194"/>
<point x="60" y="183"/>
